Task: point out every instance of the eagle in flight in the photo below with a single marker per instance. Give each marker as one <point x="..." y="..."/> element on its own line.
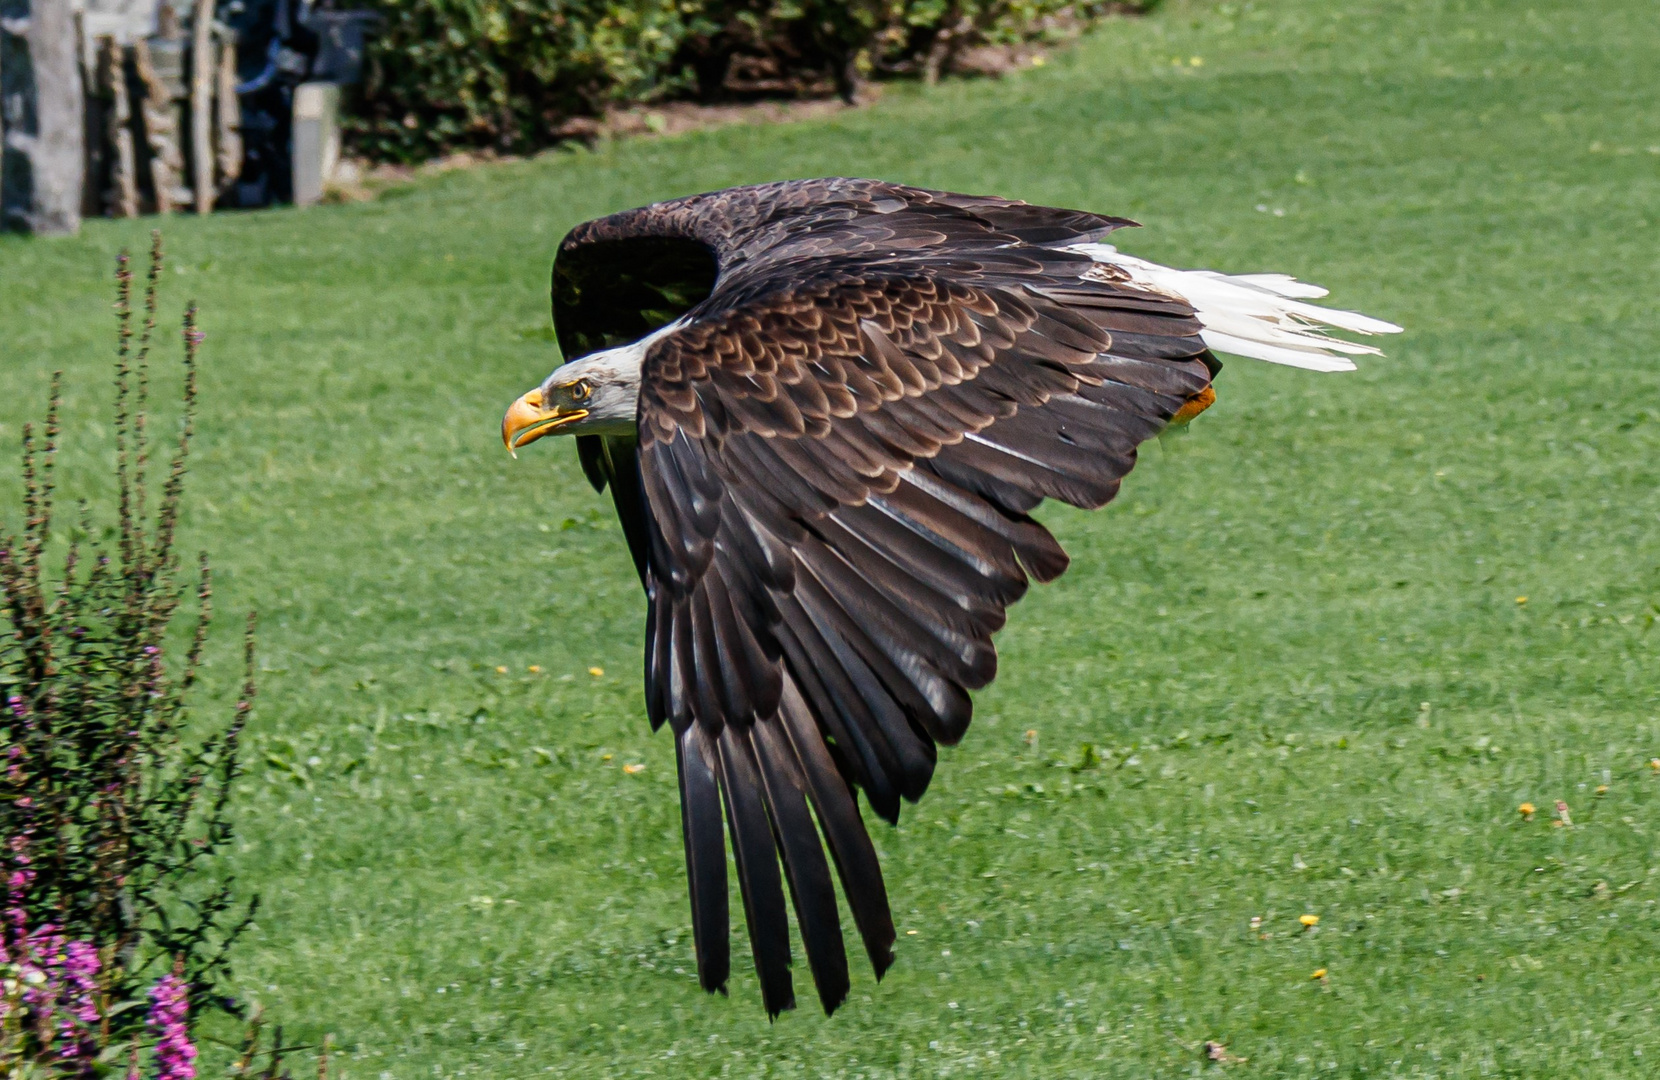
<point x="826" y="410"/>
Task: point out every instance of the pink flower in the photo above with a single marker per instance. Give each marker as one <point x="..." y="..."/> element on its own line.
<point x="80" y="973"/>
<point x="43" y="955"/>
<point x="40" y="964"/>
<point x="169" y="1016"/>
<point x="70" y="992"/>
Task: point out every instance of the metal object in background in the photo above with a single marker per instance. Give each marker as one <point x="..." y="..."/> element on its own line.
<point x="281" y="45"/>
<point x="268" y="65"/>
<point x="341" y="39"/>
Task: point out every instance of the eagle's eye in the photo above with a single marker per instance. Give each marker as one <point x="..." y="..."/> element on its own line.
<point x="580" y="390"/>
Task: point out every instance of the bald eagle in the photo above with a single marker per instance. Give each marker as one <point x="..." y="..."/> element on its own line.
<point x="826" y="410"/>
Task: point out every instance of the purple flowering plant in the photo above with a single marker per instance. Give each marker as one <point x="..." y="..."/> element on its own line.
<point x="56" y="1013"/>
<point x="109" y="815"/>
<point x="169" y="1019"/>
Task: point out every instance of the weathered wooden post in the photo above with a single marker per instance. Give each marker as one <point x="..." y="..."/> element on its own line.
<point x="201" y="104"/>
<point x="227" y="116"/>
<point x="159" y="63"/>
<point x="42" y="112"/>
<point x="122" y="198"/>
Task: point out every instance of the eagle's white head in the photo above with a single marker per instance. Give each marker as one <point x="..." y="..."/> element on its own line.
<point x="598" y="394"/>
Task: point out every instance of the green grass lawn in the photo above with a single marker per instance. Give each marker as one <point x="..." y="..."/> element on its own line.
<point x="1296" y="644"/>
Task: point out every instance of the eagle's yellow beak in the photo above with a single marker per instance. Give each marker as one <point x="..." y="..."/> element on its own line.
<point x="526" y="421"/>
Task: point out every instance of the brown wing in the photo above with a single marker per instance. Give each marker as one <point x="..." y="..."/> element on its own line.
<point x="839" y="472"/>
<point x="618" y="278"/>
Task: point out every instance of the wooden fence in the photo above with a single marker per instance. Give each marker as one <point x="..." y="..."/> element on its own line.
<point x="114" y="107"/>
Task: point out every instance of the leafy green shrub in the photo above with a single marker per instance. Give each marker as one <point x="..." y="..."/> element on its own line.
<point x="108" y="808"/>
<point x="507" y="73"/>
<point x="515" y="75"/>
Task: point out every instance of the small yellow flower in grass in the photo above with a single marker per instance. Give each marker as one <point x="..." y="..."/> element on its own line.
<point x="1654" y="763"/>
<point x="535" y="669"/>
<point x="1527" y="810"/>
<point x="596" y="672"/>
<point x="1309" y="921"/>
<point x="606" y="757"/>
<point x="501" y="669"/>
<point x="632" y="769"/>
<point x="1521" y="599"/>
<point x="1602" y="789"/>
<point x="1319" y="973"/>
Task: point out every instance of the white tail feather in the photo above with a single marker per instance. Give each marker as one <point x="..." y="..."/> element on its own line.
<point x="1309" y="359"/>
<point x="1283" y="284"/>
<point x="1260" y="316"/>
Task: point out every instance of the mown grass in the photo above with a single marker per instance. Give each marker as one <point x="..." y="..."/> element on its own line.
<point x="1296" y="645"/>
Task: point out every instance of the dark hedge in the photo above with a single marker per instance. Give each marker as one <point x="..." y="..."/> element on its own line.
<point x="518" y="75"/>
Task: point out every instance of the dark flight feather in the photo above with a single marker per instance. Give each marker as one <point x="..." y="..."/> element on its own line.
<point x="870" y="389"/>
<point x="754" y="853"/>
<point x="700" y="820"/>
<point x="805" y="867"/>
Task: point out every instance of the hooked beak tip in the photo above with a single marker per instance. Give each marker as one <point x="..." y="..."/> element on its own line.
<point x="526" y="421"/>
<point x="522" y="414"/>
